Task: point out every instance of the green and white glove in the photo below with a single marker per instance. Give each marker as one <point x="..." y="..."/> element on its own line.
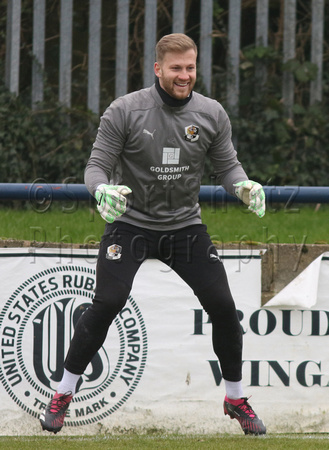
<point x="253" y="195"/>
<point x="111" y="201"/>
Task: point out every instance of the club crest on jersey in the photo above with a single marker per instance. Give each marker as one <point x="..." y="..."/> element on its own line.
<point x="113" y="252"/>
<point x="191" y="133"/>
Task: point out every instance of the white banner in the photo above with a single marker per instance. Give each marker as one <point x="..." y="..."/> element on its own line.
<point x="156" y="368"/>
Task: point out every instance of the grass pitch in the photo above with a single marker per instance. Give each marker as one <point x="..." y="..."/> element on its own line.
<point x="305" y="224"/>
<point x="171" y="442"/>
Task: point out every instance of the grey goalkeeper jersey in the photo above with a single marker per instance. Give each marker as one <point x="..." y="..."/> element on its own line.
<point x="159" y="152"/>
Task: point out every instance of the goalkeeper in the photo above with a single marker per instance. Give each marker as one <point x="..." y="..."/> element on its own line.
<point x="145" y="172"/>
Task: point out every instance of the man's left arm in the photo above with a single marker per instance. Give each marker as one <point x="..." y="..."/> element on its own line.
<point x="230" y="172"/>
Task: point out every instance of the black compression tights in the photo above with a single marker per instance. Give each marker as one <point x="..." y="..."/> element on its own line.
<point x="191" y="254"/>
<point x="93" y="326"/>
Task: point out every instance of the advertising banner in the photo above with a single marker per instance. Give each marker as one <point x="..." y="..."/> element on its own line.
<point x="157" y="368"/>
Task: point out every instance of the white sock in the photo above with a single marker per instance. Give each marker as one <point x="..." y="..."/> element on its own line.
<point x="234" y="389"/>
<point x="68" y="383"/>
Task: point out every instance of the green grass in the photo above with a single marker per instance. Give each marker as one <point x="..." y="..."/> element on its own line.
<point x="168" y="441"/>
<point x="57" y="224"/>
<point x="234" y="223"/>
<point x="303" y="224"/>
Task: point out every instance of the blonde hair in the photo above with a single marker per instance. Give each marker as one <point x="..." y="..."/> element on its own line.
<point x="175" y="43"/>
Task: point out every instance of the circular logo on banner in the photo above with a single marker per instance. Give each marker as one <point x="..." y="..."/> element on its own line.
<point x="37" y="324"/>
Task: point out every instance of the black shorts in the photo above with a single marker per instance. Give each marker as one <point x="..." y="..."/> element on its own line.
<point x="191" y="254"/>
<point x="188" y="251"/>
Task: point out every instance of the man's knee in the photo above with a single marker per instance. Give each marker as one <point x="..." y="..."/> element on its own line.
<point x="217" y="300"/>
<point x="111" y="298"/>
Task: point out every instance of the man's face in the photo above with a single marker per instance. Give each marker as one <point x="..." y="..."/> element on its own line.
<point x="177" y="73"/>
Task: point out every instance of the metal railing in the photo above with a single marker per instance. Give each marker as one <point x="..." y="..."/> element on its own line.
<point x="207" y="37"/>
<point x="42" y="192"/>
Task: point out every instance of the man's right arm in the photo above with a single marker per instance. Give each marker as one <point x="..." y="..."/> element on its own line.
<point x="98" y="169"/>
<point x="107" y="147"/>
<point x="109" y="143"/>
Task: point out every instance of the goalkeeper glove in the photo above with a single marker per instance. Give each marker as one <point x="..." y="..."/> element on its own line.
<point x="111" y="201"/>
<point x="252" y="194"/>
